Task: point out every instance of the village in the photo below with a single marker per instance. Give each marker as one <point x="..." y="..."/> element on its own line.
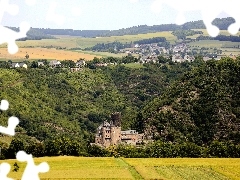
<point x="145" y="53"/>
<point x="148" y="53"/>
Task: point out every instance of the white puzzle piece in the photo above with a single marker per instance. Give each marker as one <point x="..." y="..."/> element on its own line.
<point x="4" y="105"/>
<point x="31" y="171"/>
<point x="7" y="35"/>
<point x="4" y="170"/>
<point x="12" y="124"/>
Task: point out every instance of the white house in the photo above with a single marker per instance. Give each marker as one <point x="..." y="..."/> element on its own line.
<point x="80" y="63"/>
<point x="54" y="63"/>
<point x="18" y="65"/>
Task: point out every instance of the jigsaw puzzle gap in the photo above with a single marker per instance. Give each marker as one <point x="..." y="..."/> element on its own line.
<point x="4" y="170"/>
<point x="31" y="171"/>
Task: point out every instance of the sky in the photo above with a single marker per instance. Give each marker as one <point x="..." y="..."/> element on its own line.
<point x="93" y="14"/>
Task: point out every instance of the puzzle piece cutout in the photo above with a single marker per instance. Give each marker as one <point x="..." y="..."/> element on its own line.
<point x="12" y="121"/>
<point x="31" y="171"/>
<point x="4" y="105"/>
<point x="4" y="170"/>
<point x="12" y="124"/>
<point x="209" y="10"/>
<point x="7" y="35"/>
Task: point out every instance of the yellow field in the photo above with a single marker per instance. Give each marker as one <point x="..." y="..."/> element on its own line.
<point x="205" y="33"/>
<point x="124" y="168"/>
<point x="69" y="42"/>
<point x="44" y="53"/>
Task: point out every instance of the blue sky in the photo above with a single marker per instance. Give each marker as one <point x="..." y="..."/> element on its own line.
<point x="94" y="14"/>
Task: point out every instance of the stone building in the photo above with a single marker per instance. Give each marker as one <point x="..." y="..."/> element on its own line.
<point x="110" y="133"/>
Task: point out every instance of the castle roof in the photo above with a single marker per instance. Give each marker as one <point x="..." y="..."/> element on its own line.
<point x="104" y="124"/>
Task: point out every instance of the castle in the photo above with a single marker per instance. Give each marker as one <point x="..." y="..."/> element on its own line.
<point x="110" y="133"/>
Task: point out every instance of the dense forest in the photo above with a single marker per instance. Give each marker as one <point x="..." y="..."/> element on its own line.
<point x="151" y="40"/>
<point x="71" y="32"/>
<point x="201" y="107"/>
<point x="186" y="107"/>
<point x="109" y="47"/>
<point x="181" y="34"/>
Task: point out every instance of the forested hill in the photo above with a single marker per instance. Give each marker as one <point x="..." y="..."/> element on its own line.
<point x="141" y="29"/>
<point x="201" y="107"/>
<point x="55" y="102"/>
<point x="221" y="23"/>
<point x="194" y="102"/>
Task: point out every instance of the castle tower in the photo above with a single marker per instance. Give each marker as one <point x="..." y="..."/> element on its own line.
<point x="106" y="134"/>
<point x="116" y="119"/>
<point x="115" y="128"/>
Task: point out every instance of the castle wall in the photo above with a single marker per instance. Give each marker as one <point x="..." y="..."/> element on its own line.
<point x="106" y="136"/>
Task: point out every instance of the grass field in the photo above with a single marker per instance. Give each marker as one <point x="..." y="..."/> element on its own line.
<point x="215" y="43"/>
<point x="123" y="168"/>
<point x="37" y="49"/>
<point x="68" y="42"/>
<point x="222" y="32"/>
<point x="81" y="42"/>
<point x="227" y="47"/>
<point x="89" y="42"/>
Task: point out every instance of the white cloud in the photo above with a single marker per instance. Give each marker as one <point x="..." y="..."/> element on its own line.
<point x="30" y="2"/>
<point x="133" y="1"/>
<point x="52" y="16"/>
<point x="76" y="11"/>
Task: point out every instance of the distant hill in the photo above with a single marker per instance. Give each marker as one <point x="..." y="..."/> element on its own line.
<point x="221" y="23"/>
<point x="41" y="33"/>
<point x="71" y="32"/>
<point x="141" y="29"/>
<point x="33" y="34"/>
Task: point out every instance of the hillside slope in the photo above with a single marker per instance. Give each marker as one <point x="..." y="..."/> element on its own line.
<point x="56" y="102"/>
<point x="203" y="106"/>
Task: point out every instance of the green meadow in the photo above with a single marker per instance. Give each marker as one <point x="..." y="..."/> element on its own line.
<point x="81" y="42"/>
